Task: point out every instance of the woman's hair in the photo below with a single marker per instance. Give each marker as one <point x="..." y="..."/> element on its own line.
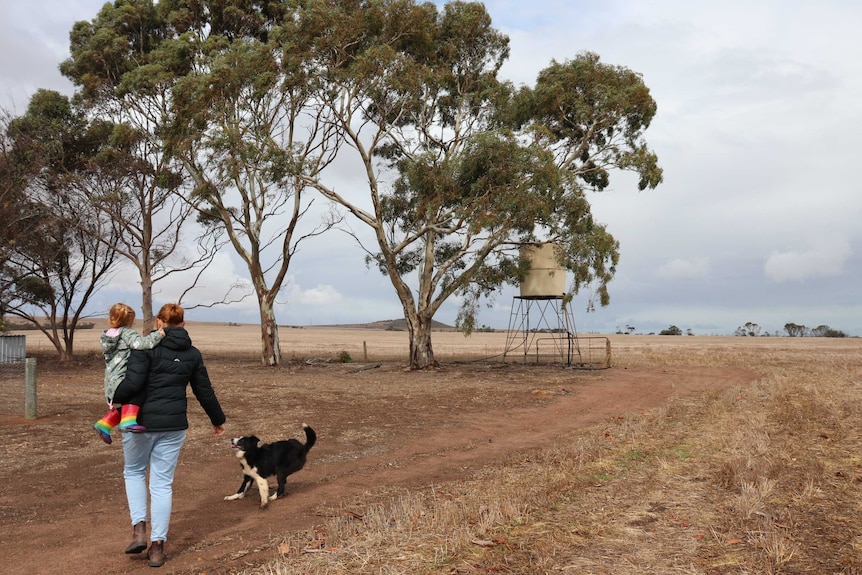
<point x="121" y="315"/>
<point x="171" y="314"/>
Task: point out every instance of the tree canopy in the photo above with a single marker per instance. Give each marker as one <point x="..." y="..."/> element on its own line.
<point x="477" y="167"/>
<point x="219" y="87"/>
<point x="460" y="168"/>
<point x="60" y="255"/>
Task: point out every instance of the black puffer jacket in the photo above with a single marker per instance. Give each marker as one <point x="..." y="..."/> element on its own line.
<point x="163" y="372"/>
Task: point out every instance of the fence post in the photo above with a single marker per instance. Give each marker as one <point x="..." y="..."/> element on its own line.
<point x="30" y="388"/>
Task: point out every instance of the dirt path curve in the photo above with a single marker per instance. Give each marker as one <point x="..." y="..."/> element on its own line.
<point x="65" y="512"/>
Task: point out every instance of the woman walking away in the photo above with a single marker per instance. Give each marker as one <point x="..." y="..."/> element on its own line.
<point x="162" y="373"/>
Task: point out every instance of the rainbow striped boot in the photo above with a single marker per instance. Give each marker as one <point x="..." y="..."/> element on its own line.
<point x="129" y="420"/>
<point x="104" y="426"/>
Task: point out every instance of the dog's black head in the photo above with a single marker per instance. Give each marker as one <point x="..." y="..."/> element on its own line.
<point x="244" y="444"/>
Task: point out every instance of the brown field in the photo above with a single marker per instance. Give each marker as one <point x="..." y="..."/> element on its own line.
<point x="690" y="455"/>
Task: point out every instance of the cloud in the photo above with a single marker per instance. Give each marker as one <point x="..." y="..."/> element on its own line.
<point x="220" y="281"/>
<point x="322" y="295"/>
<point x="822" y="261"/>
<point x="682" y="269"/>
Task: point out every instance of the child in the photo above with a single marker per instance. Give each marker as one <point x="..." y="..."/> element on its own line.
<point x="117" y="344"/>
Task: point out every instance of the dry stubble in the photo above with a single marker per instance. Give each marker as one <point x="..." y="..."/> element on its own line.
<point x="757" y="479"/>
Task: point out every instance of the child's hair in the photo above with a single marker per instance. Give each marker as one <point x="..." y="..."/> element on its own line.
<point x="121" y="315"/>
<point x="171" y="314"/>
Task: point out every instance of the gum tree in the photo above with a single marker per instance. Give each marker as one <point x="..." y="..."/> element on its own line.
<point x="458" y="168"/>
<point x="142" y="191"/>
<point x="221" y="87"/>
<point x="14" y="216"/>
<point x="142" y="194"/>
<point x="248" y="133"/>
<point x="59" y="255"/>
<point x="462" y="168"/>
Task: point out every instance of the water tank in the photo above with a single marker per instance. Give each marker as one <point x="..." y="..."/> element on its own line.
<point x="546" y="278"/>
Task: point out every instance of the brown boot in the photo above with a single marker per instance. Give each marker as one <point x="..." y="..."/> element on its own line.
<point x="156" y="554"/>
<point x="139" y="538"/>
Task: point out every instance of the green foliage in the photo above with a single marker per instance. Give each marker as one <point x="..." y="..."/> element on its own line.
<point x="484" y="168"/>
<point x="672" y="330"/>
<point x="55" y="252"/>
<point x="225" y="88"/>
<point x="462" y="168"/>
<point x="603" y="108"/>
<point x="826" y="331"/>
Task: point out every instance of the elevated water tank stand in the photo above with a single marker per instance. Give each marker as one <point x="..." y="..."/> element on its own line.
<point x="542" y="327"/>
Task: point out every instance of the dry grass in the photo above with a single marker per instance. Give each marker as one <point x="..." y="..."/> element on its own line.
<point x="758" y="479"/>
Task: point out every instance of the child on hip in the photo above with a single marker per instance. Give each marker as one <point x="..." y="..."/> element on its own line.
<point x="118" y="341"/>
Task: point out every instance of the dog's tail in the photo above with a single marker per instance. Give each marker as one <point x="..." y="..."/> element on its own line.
<point x="310" y="436"/>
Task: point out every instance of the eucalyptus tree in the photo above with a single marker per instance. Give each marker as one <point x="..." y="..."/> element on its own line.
<point x="749" y="329"/>
<point x="462" y="168"/>
<point x="142" y="194"/>
<point x="795" y="330"/>
<point x="59" y="255"/>
<point x="247" y="131"/>
<point x="222" y="87"/>
<point x="13" y="207"/>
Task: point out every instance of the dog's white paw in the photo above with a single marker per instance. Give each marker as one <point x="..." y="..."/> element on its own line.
<point x="273" y="496"/>
<point x="234" y="497"/>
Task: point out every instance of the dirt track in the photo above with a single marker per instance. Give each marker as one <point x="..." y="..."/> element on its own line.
<point x="65" y="511"/>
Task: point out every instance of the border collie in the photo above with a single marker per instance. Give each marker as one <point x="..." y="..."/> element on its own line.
<point x="259" y="462"/>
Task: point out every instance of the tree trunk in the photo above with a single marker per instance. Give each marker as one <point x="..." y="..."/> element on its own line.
<point x="147" y="305"/>
<point x="270" y="347"/>
<point x="61" y="343"/>
<point x="68" y="353"/>
<point x="421" y="352"/>
<point x="68" y="336"/>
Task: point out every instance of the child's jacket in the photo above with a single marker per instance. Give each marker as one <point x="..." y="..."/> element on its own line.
<point x="117" y="344"/>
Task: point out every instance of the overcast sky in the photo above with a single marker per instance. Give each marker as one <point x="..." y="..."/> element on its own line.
<point x="758" y="218"/>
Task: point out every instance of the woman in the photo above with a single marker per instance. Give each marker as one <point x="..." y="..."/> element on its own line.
<point x="163" y="374"/>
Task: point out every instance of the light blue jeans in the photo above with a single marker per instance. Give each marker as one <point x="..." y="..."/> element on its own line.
<point x="159" y="451"/>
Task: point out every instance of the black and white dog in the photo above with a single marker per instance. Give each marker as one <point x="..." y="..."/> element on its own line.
<point x="258" y="462"/>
